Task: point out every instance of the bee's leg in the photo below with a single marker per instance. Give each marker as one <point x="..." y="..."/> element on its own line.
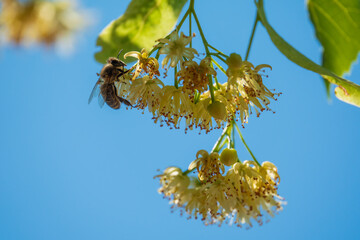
<point x="126" y="102"/>
<point x="121" y="73"/>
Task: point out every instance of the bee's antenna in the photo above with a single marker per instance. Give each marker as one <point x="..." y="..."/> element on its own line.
<point x="119" y="54"/>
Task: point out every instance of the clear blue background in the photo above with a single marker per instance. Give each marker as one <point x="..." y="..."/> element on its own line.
<point x="69" y="170"/>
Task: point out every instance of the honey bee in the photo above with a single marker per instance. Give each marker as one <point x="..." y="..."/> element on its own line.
<point x="105" y="87"/>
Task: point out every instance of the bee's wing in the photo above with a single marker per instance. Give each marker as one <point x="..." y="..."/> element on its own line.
<point x="96" y="92"/>
<point x="101" y="100"/>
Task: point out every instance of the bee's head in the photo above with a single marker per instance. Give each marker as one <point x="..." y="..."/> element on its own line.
<point x="116" y="62"/>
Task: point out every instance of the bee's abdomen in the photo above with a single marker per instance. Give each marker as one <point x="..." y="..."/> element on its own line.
<point x="108" y="92"/>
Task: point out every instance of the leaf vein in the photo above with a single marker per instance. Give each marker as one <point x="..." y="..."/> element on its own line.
<point x="328" y="17"/>
<point x="156" y="6"/>
<point x="346" y="13"/>
<point x="330" y="40"/>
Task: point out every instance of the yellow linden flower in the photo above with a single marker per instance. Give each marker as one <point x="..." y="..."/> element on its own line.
<point x="249" y="186"/>
<point x="218" y="202"/>
<point x="201" y="118"/>
<point x="235" y="102"/>
<point x="175" y="49"/>
<point x="192" y="202"/>
<point x="201" y="201"/>
<point x="174" y="106"/>
<point x="267" y="197"/>
<point x="194" y="76"/>
<point x="269" y="172"/>
<point x="123" y="85"/>
<point x="207" y="165"/>
<point x="235" y="105"/>
<point x="241" y="175"/>
<point x="168" y="104"/>
<point x="173" y="182"/>
<point x="145" y="63"/>
<point x="146" y="92"/>
<point x="245" y="78"/>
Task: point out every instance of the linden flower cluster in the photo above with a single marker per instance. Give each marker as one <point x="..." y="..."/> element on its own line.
<point x="224" y="188"/>
<point x="190" y="99"/>
<point x="239" y="196"/>
<point x="38" y="21"/>
<point x="170" y="104"/>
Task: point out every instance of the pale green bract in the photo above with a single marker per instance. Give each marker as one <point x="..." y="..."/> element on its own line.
<point x="337" y="26"/>
<point x="143" y="22"/>
<point x="348" y="91"/>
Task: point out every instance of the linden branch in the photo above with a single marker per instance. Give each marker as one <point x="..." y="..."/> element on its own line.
<point x="252" y="36"/>
<point x="243" y="140"/>
<point x="211" y="86"/>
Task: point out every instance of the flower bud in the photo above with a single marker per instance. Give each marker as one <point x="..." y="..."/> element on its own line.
<point x="217" y="110"/>
<point x="228" y="156"/>
<point x="234" y="60"/>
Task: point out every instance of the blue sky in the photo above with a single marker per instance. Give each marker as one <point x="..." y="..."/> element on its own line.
<point x="69" y="170"/>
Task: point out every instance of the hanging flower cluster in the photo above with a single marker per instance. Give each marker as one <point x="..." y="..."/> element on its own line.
<point x="193" y="99"/>
<point x="38" y="21"/>
<point x="246" y="192"/>
<point x="224" y="188"/>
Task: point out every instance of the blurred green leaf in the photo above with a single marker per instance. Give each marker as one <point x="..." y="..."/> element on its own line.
<point x="143" y="22"/>
<point x="337" y="26"/>
<point x="348" y="91"/>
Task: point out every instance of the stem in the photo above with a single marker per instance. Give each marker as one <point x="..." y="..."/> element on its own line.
<point x="218" y="65"/>
<point x="233" y="137"/>
<point x="175" y="80"/>
<point x="190" y="30"/>
<point x="219" y="52"/>
<point x="219" y="141"/>
<point x="215" y="77"/>
<point x="211" y="87"/>
<point x="229" y="141"/>
<point x="201" y="32"/>
<point x="157" y="55"/>
<point x="252" y="37"/>
<point x="154" y="49"/>
<point x="218" y="145"/>
<point x="218" y="56"/>
<point x="223" y="143"/>
<point x="188" y="171"/>
<point x="183" y="19"/>
<point x="243" y="140"/>
<point x="196" y="97"/>
<point x="191" y="6"/>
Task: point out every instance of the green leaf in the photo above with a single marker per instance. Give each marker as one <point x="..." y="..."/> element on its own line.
<point x="347" y="97"/>
<point x="348" y="91"/>
<point x="327" y="88"/>
<point x="337" y="26"/>
<point x="143" y="22"/>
